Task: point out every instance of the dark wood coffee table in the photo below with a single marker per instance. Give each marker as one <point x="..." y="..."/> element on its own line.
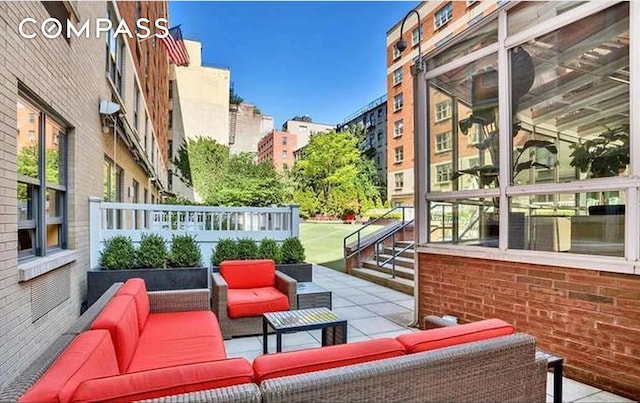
<point x="334" y="328"/>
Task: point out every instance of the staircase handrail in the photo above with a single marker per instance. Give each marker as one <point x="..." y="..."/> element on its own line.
<point x="359" y="231"/>
<point x="394" y="253"/>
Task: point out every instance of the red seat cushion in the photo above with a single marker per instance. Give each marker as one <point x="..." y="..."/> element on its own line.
<point x="136" y="288"/>
<point x="119" y="317"/>
<point x="248" y="273"/>
<point x="452" y="335"/>
<point x="90" y="355"/>
<point x="177" y="338"/>
<point x="165" y="381"/>
<point x="255" y="301"/>
<point x="299" y="362"/>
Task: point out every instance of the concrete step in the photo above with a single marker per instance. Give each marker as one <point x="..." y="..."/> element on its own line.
<point x="401" y="271"/>
<point x="407" y="253"/>
<point x="402" y="244"/>
<point x="400" y="260"/>
<point x="399" y="284"/>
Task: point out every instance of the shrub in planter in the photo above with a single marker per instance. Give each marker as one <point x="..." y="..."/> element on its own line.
<point x="226" y="249"/>
<point x="185" y="252"/>
<point x="292" y="251"/>
<point x="152" y="252"/>
<point x="118" y="253"/>
<point x="247" y="249"/>
<point x="269" y="249"/>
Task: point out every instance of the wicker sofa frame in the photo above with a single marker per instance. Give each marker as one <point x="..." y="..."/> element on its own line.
<point x="249" y="325"/>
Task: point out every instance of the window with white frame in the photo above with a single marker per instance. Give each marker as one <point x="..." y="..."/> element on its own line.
<point x="443" y="111"/>
<point x="444" y="173"/>
<point x="398" y="153"/>
<point x="416" y="35"/>
<point x="397" y="76"/>
<point x="398" y="180"/>
<point x="115" y="53"/>
<point x="42" y="180"/>
<point x="564" y="106"/>
<point x="396" y="53"/>
<point x="398" y="101"/>
<point x="398" y="128"/>
<point x="443" y="142"/>
<point x="444" y="15"/>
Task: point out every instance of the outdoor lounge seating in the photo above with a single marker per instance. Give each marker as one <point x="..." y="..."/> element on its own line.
<point x="100" y="358"/>
<point x="244" y="290"/>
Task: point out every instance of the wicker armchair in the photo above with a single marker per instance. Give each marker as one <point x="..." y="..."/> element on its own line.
<point x="246" y="325"/>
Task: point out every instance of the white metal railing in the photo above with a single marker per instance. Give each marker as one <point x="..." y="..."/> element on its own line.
<point x="208" y="224"/>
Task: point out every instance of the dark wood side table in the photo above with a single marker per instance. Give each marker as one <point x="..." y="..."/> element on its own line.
<point x="555" y="363"/>
<point x="311" y="295"/>
<point x="334" y="328"/>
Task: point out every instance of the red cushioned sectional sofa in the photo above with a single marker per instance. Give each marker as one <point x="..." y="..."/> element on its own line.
<point x="164" y="346"/>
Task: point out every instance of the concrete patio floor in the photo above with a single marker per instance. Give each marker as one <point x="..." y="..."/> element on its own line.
<point x="373" y="311"/>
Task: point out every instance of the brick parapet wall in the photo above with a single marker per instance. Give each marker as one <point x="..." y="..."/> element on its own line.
<point x="590" y="317"/>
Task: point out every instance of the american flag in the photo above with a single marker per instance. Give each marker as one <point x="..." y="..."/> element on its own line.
<point x="175" y="47"/>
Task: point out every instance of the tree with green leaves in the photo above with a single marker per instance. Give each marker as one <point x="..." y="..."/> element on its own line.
<point x="333" y="179"/>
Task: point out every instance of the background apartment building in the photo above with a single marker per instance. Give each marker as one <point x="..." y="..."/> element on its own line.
<point x="247" y="126"/>
<point x="278" y="148"/>
<point x="57" y="151"/>
<point x="199" y="106"/>
<point x="370" y="123"/>
<point x="440" y="22"/>
<point x="303" y="127"/>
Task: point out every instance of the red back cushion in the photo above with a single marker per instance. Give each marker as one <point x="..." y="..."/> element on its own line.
<point x="452" y="335"/>
<point x="119" y="317"/>
<point x="299" y="362"/>
<point x="165" y="381"/>
<point x="90" y="355"/>
<point x="136" y="288"/>
<point x="248" y="273"/>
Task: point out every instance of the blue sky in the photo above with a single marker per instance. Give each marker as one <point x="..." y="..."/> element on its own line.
<point x="324" y="59"/>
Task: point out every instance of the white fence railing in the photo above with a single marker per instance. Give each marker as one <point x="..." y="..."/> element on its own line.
<point x="208" y="224"/>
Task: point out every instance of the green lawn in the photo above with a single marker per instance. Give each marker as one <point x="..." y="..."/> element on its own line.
<point x="323" y="242"/>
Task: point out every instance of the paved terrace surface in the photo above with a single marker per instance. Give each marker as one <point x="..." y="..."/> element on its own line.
<point x="373" y="311"/>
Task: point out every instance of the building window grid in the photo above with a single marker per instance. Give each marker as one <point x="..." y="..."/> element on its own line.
<point x="444" y="173"/>
<point x="625" y="184"/>
<point x="397" y="76"/>
<point x="398" y="128"/>
<point x="115" y="54"/>
<point x="443" y="111"/>
<point x="416" y="35"/>
<point x="443" y="142"/>
<point x="398" y="102"/>
<point x="398" y="154"/>
<point x="398" y="180"/>
<point x="444" y="15"/>
<point x="396" y="53"/>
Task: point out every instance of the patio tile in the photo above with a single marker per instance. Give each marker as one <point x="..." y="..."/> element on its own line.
<point x="410" y="304"/>
<point x="339" y="302"/>
<point x="363" y="299"/>
<point x="602" y="397"/>
<point x="349" y="291"/>
<point x="373" y="327"/>
<point x="248" y="355"/>
<point x="353" y="312"/>
<point x="358" y="338"/>
<point x="393" y="334"/>
<point x="292" y="339"/>
<point x="386" y="308"/>
<point x="571" y="390"/>
<point x="239" y="344"/>
<point x="394" y="296"/>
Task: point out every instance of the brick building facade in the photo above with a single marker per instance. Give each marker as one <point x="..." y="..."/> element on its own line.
<point x="277" y="148"/>
<point x="50" y="95"/>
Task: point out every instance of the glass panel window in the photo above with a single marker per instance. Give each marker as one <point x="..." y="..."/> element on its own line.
<point x="466" y="44"/>
<point x="398" y="128"/>
<point x="444" y="15"/>
<point x="396" y="53"/>
<point x="284" y="141"/>
<point x="464" y="103"/>
<point x="112" y="191"/>
<point x="41" y="187"/>
<point x="570" y="94"/>
<point x="398" y="154"/>
<point x="443" y="142"/>
<point x="397" y="102"/>
<point x="444" y="173"/>
<point x="136" y="107"/>
<point x="416" y="35"/>
<point x="397" y="76"/>
<point x="465" y="222"/>
<point x="115" y="51"/>
<point x="531" y="13"/>
<point x="398" y="180"/>
<point x="586" y="223"/>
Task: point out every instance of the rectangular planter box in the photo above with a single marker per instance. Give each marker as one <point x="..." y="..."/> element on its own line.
<point x="301" y="272"/>
<point x="98" y="281"/>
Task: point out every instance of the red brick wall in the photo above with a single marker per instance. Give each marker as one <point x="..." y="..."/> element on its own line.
<point x="590" y="317"/>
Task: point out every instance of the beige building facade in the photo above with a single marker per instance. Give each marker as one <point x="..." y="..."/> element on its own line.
<point x="303" y="127"/>
<point x="57" y="151"/>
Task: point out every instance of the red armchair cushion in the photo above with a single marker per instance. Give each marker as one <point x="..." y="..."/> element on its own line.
<point x="255" y="301"/>
<point x="178" y="338"/>
<point x="452" y="335"/>
<point x="119" y="317"/>
<point x="248" y="273"/>
<point x="299" y="362"/>
<point x="165" y="381"/>
<point x="136" y="288"/>
<point x="90" y="355"/>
